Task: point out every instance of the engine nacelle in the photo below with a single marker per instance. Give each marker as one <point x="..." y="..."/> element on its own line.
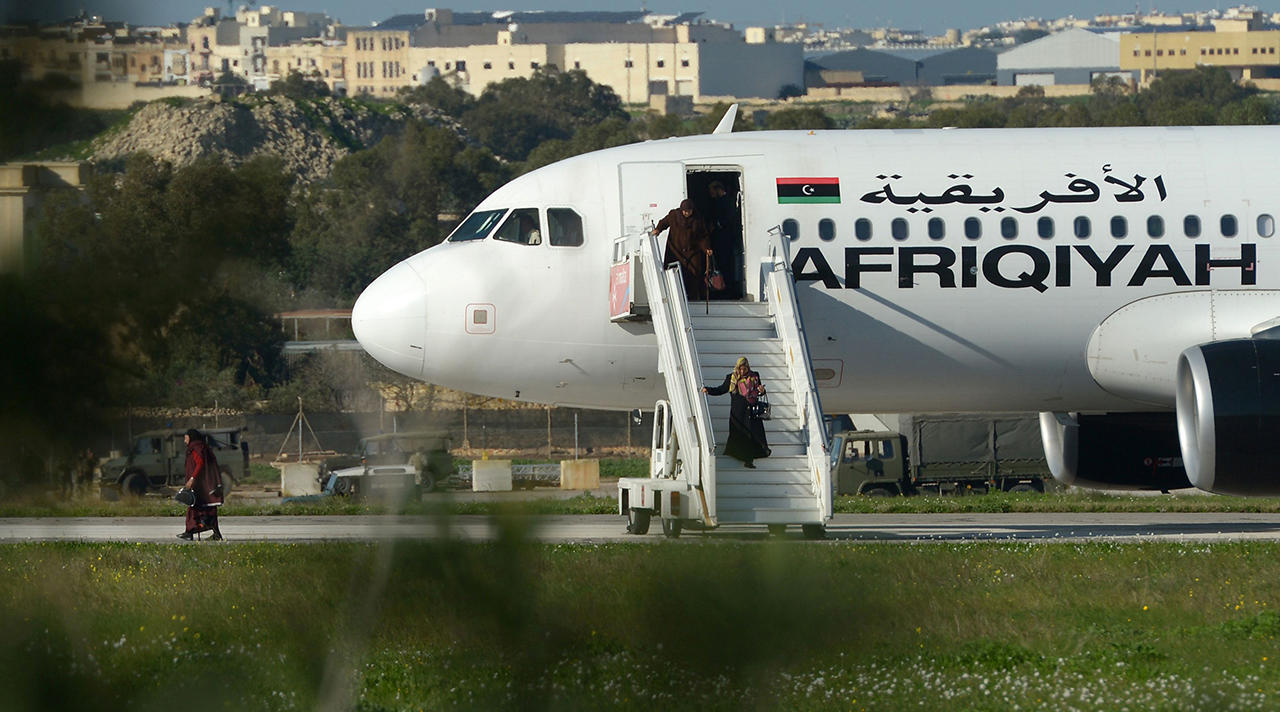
<point x="1228" y="408"/>
<point x="1114" y="450"/>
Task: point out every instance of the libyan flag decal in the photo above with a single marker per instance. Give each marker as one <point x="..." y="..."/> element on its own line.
<point x="808" y="190"/>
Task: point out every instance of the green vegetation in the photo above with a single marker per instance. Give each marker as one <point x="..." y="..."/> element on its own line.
<point x="515" y="625"/>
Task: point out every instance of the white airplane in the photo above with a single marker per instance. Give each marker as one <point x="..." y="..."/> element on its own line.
<point x="1117" y="280"/>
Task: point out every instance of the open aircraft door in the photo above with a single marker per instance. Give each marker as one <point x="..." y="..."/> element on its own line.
<point x="647" y="192"/>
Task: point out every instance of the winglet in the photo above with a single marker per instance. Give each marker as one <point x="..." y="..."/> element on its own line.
<point x="726" y="123"/>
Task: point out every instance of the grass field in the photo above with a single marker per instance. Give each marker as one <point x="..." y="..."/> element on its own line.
<point x="683" y="625"/>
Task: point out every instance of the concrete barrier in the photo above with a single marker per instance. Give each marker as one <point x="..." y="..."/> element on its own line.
<point x="579" y="474"/>
<point x="298" y="479"/>
<point x="490" y="475"/>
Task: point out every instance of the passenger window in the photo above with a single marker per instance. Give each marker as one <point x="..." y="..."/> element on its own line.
<point x="1191" y="226"/>
<point x="1228" y="225"/>
<point x="937" y="229"/>
<point x="972" y="228"/>
<point x="826" y="229"/>
<point x="1082" y="227"/>
<point x="565" y="226"/>
<point x="1155" y="226"/>
<point x="791" y="229"/>
<point x="1266" y="226"/>
<point x="886" y="448"/>
<point x="1119" y="227"/>
<point x="477" y="225"/>
<point x="898" y="228"/>
<point x="1008" y="228"/>
<point x="1044" y="227"/>
<point x="862" y="229"/>
<point x="522" y="227"/>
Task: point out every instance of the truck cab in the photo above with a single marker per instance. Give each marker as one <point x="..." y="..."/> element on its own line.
<point x="869" y="462"/>
<point x="157" y="459"/>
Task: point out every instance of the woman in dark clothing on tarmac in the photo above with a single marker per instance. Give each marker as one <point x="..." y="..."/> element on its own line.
<point x="204" y="479"/>
<point x="746" y="432"/>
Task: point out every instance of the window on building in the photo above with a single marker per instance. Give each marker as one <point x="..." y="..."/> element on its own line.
<point x="460" y="65"/>
<point x="431" y="63"/>
<point x="1044" y="227"/>
<point x="899" y="229"/>
<point x="1155" y="226"/>
<point x="533" y="65"/>
<point x="565" y="226"/>
<point x="1191" y="226"/>
<point x="521" y="227"/>
<point x="577" y="64"/>
<point x="936" y="228"/>
<point x="1147" y="53"/>
<point x="661" y="63"/>
<point x="1182" y="52"/>
<point x="826" y="229"/>
<point x="511" y="65"/>
<point x="626" y="64"/>
<point x="684" y="62"/>
<point x="1119" y="226"/>
<point x="1159" y="53"/>
<point x="862" y="229"/>
<point x="791" y="229"/>
<point x="1081" y="227"/>
<point x="1266" y="225"/>
<point x="972" y="228"/>
<point x="1228" y="225"/>
<point x="1008" y="228"/>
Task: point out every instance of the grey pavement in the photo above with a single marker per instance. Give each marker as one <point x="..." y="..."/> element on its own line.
<point x="1190" y="527"/>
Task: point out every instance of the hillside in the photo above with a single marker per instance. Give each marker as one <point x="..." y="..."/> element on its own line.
<point x="309" y="135"/>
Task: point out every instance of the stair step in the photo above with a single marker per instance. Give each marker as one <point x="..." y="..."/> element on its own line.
<point x="808" y="502"/>
<point x="723" y="362"/>
<point x="701" y="320"/>
<point x="762" y="489"/>
<point x="726" y="478"/>
<point x="771" y="464"/>
<point x="743" y="335"/>
<point x="770" y="516"/>
<point x="773" y="376"/>
<point x="761" y="347"/>
<point x="779" y="449"/>
<point x="733" y="308"/>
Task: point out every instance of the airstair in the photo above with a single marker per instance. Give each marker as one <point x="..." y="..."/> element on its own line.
<point x="692" y="484"/>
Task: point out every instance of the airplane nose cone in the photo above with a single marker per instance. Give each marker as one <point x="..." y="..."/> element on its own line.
<point x="390" y="320"/>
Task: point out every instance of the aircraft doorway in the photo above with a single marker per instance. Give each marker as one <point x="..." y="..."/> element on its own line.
<point x="717" y="196"/>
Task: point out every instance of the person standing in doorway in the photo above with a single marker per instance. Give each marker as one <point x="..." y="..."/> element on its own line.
<point x="725" y="237"/>
<point x="204" y="480"/>
<point x="688" y="245"/>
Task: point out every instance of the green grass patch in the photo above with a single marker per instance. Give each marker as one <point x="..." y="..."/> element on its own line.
<point x="662" y="625"/>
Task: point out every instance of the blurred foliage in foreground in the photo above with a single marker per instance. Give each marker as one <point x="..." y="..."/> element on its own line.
<point x="512" y="625"/>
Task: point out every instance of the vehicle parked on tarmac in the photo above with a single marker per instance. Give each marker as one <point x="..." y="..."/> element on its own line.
<point x="943" y="454"/>
<point x="422" y="455"/>
<point x="157" y="460"/>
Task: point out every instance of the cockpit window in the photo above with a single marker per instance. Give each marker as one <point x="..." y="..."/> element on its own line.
<point x="521" y="226"/>
<point x="565" y="226"/>
<point x="477" y="226"/>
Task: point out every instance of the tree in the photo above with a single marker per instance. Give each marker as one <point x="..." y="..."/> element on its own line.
<point x="808" y="117"/>
<point x="300" y="86"/>
<point x="439" y="94"/>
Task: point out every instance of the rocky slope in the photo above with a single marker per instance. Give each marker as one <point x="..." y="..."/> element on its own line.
<point x="308" y="135"/>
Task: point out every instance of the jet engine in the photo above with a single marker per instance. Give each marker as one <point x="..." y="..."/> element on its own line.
<point x="1114" y="450"/>
<point x="1228" y="411"/>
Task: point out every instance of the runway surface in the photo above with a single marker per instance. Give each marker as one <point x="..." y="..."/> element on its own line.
<point x="605" y="528"/>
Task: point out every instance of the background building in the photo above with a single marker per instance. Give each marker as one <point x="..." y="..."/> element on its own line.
<point x="1075" y="56"/>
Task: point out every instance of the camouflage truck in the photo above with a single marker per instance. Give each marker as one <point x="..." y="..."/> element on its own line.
<point x="157" y="460"/>
<point x="945" y="454"/>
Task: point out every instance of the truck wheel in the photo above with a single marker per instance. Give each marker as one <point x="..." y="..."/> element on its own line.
<point x="671" y="527"/>
<point x="134" y="484"/>
<point x="1024" y="487"/>
<point x="638" y="521"/>
<point x="777" y="529"/>
<point x="228" y="482"/>
<point x="879" y="492"/>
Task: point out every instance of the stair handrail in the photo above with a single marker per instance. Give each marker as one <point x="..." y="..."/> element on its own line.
<point x="678" y="363"/>
<point x="780" y="289"/>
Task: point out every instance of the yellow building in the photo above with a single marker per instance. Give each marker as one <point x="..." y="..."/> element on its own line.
<point x="22" y="188"/>
<point x="1237" y="44"/>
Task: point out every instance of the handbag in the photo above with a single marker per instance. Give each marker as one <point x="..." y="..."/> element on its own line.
<point x="759" y="409"/>
<point x="185" y="496"/>
<point x="714" y="279"/>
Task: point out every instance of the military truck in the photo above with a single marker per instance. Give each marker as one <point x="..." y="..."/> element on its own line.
<point x="426" y="451"/>
<point x="943" y="454"/>
<point x="157" y="459"/>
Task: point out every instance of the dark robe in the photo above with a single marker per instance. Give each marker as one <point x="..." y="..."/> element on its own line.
<point x="746" y="432"/>
<point x="725" y="241"/>
<point x="202" y="465"/>
<point x="687" y="244"/>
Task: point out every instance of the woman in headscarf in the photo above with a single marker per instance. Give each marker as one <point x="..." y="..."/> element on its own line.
<point x="746" y="432"/>
<point x="688" y="245"/>
<point x="204" y="479"/>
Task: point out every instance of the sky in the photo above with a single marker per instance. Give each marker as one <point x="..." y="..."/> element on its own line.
<point x="932" y="16"/>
